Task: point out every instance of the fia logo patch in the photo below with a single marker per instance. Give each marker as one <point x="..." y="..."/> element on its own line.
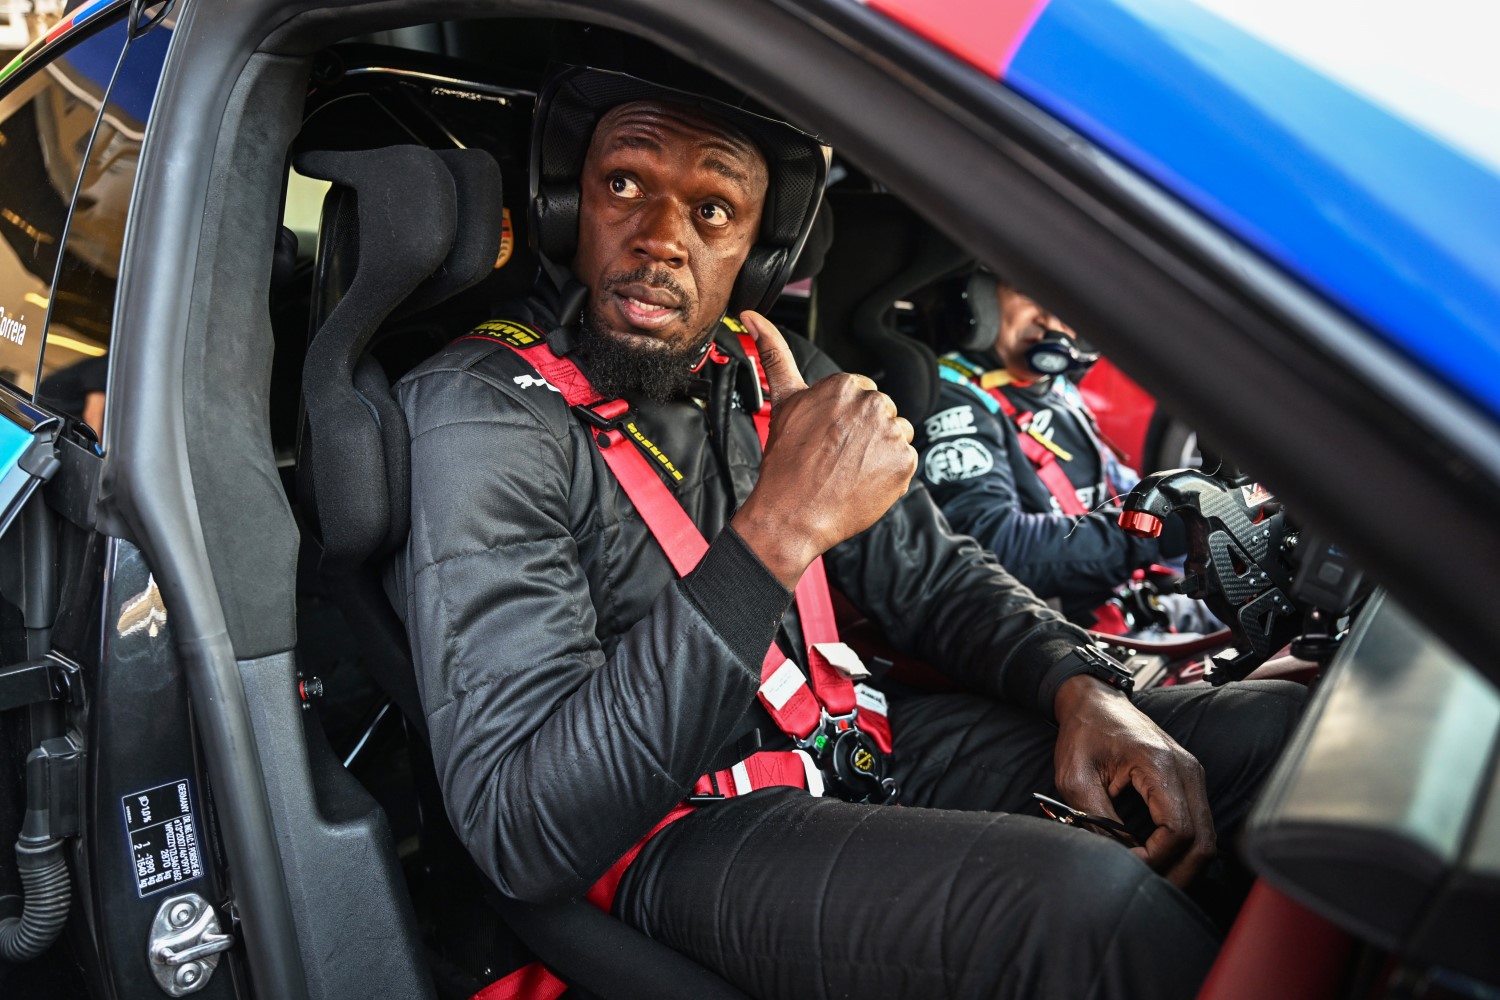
<point x="952" y="461"/>
<point x="950" y="423"/>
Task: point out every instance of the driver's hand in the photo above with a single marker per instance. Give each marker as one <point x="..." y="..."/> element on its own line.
<point x="837" y="458"/>
<point x="1105" y="745"/>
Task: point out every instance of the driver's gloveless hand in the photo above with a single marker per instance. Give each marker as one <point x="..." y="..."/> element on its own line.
<point x="838" y="456"/>
<point x="1106" y="745"/>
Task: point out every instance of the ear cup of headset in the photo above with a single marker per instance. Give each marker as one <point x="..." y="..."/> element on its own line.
<point x="981" y="297"/>
<point x="760" y="280"/>
<point x="554" y="214"/>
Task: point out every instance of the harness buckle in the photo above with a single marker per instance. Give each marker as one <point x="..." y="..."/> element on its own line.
<point x="854" y="767"/>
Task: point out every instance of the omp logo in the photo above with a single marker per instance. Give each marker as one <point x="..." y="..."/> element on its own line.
<point x="950" y="423"/>
<point x="532" y="382"/>
<point x="12" y="329"/>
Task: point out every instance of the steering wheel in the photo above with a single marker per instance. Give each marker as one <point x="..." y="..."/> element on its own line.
<point x="1270" y="581"/>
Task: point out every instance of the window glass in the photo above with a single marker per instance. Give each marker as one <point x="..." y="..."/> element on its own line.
<point x="75" y="363"/>
<point x="45" y="122"/>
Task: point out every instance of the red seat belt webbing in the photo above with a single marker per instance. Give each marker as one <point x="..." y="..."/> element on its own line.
<point x="533" y="981"/>
<point x="762" y="769"/>
<point x="815" y="610"/>
<point x="1052" y="475"/>
<point x="814" y="603"/>
<point x="668" y="523"/>
<point x="1043" y="461"/>
<point x="602" y="892"/>
<point x="762" y="416"/>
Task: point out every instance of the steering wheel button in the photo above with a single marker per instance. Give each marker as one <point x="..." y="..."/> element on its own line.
<point x="1140" y="523"/>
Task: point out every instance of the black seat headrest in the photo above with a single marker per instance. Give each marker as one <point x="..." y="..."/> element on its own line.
<point x="392" y="242"/>
<point x="394" y="221"/>
<point x="476" y="242"/>
<point x="882" y="252"/>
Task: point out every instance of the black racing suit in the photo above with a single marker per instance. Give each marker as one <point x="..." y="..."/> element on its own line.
<point x="973" y="464"/>
<point x="575" y="688"/>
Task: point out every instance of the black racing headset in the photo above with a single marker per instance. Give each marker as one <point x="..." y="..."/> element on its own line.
<point x="975" y="323"/>
<point x="570" y="105"/>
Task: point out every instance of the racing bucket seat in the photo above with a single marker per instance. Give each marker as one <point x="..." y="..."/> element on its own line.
<point x="405" y="228"/>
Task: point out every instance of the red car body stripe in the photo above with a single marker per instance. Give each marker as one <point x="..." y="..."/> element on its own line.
<point x="985" y="34"/>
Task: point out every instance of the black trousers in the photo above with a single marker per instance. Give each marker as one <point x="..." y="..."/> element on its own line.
<point x="963" y="891"/>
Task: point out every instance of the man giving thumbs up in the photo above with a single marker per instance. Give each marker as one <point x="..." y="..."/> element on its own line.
<point x="628" y="513"/>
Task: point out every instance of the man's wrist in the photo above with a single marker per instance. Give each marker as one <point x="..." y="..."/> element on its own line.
<point x="1076" y="690"/>
<point x="779" y="545"/>
<point x="1087" y="662"/>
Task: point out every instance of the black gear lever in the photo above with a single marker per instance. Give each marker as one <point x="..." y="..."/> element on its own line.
<point x="1236" y="563"/>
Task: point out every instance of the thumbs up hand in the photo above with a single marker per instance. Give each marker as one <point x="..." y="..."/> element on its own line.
<point x="776" y="358"/>
<point x="837" y="458"/>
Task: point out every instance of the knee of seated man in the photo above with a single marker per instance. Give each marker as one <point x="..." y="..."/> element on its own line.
<point x="1255" y="719"/>
<point x="1072" y="878"/>
<point x="1085" y="908"/>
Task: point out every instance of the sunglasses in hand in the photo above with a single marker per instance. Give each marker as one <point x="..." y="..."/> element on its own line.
<point x="1102" y="825"/>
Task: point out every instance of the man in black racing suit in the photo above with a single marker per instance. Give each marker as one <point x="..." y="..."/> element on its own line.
<point x="578" y="691"/>
<point x="1014" y="458"/>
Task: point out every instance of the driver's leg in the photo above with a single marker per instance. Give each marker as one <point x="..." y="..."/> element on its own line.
<point x="788" y="896"/>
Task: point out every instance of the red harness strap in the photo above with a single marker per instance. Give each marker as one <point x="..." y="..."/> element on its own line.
<point x="796" y="708"/>
<point x="1042" y="460"/>
<point x="814" y="603"/>
<point x="533" y="981"/>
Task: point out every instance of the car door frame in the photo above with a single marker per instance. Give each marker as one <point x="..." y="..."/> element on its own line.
<point x="1093" y="240"/>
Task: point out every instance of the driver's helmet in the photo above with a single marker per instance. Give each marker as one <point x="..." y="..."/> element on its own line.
<point x="569" y="106"/>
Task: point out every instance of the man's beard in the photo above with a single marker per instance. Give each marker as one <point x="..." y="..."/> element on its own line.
<point x="660" y="372"/>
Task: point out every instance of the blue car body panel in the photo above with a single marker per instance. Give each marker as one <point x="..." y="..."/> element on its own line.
<point x="1385" y="218"/>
